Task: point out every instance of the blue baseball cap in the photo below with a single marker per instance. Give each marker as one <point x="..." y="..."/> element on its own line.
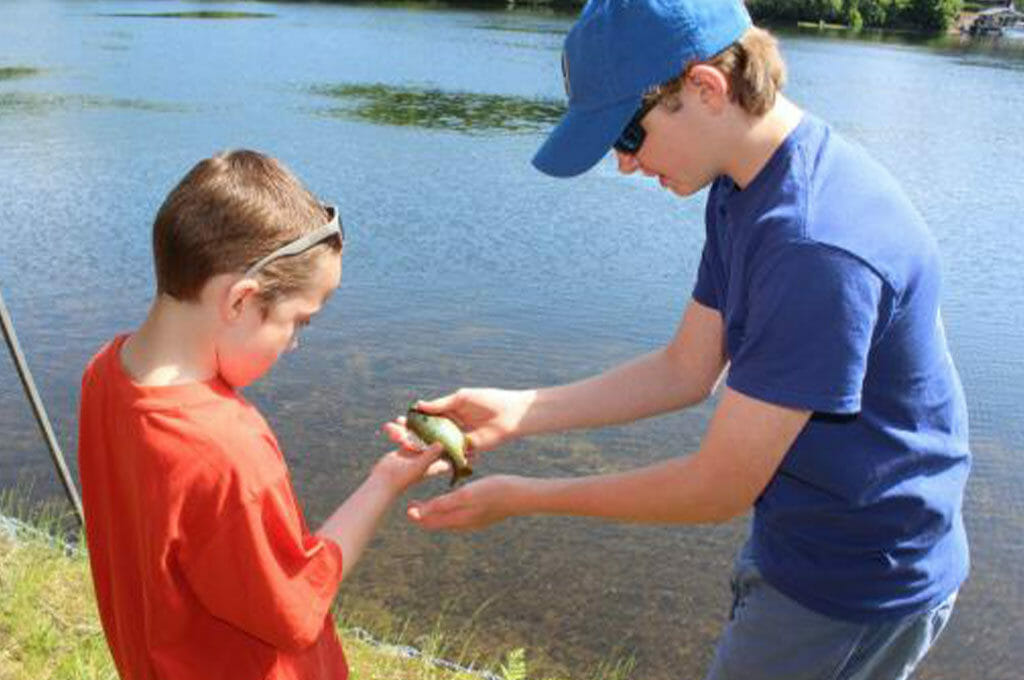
<point x="618" y="50"/>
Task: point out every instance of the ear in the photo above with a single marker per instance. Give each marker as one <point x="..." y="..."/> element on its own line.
<point x="236" y="296"/>
<point x="710" y="84"/>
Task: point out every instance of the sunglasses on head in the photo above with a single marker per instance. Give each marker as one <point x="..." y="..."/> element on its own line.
<point x="633" y="135"/>
<point x="304" y="243"/>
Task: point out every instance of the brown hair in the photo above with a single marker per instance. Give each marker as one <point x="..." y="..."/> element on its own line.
<point x="228" y="212"/>
<point x="753" y="67"/>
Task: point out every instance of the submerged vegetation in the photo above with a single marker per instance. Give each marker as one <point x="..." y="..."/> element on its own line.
<point x="38" y="103"/>
<point x="12" y="72"/>
<point x="199" y="14"/>
<point x="439" y="109"/>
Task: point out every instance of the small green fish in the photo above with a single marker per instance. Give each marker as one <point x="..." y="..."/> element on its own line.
<point x="431" y="428"/>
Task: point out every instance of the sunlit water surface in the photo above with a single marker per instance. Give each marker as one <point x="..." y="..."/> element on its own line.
<point x="466" y="266"/>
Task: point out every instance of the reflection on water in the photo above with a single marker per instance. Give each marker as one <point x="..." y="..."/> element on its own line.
<point x="437" y="109"/>
<point x="519" y="28"/>
<point x="201" y="14"/>
<point x="466" y="266"/>
<point x="947" y="42"/>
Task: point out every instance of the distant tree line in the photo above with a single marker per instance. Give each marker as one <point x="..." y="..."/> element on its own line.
<point x="918" y="15"/>
<point x="927" y="15"/>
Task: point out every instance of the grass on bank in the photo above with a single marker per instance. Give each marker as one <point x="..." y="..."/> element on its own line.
<point x="50" y="629"/>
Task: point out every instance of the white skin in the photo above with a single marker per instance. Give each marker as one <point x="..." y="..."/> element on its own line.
<point x="746" y="440"/>
<point x="229" y="332"/>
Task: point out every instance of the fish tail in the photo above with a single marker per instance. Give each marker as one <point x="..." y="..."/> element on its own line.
<point x="458" y="473"/>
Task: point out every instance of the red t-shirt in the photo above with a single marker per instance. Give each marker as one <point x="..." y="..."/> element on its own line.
<point x="201" y="558"/>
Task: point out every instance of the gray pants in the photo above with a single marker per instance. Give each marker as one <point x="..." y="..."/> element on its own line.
<point x="771" y="637"/>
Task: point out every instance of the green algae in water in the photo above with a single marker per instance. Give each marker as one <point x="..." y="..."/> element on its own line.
<point x="538" y="30"/>
<point x="442" y="110"/>
<point x="12" y="72"/>
<point x="200" y="14"/>
<point x="35" y="103"/>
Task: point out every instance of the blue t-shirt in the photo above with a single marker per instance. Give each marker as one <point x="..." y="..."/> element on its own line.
<point x="827" y="280"/>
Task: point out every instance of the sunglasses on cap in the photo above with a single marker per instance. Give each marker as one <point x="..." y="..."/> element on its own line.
<point x="305" y="242"/>
<point x="633" y="135"/>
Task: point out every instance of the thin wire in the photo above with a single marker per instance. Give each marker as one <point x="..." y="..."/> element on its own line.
<point x="40" y="411"/>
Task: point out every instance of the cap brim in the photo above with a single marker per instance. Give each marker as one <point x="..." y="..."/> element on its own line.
<point x="582" y="138"/>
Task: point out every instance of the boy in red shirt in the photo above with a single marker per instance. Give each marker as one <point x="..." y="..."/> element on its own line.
<point x="201" y="558"/>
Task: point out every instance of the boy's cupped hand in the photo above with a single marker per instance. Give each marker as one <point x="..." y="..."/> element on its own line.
<point x="474" y="506"/>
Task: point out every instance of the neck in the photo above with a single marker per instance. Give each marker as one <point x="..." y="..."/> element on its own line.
<point x="757" y="138"/>
<point x="170" y="347"/>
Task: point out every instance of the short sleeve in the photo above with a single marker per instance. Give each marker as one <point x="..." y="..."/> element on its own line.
<point x="263" y="572"/>
<point x="710" y="272"/>
<point x="811" y="317"/>
<point x="705" y="291"/>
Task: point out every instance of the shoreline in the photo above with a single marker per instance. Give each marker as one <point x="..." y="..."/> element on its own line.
<point x="359" y="644"/>
<point x="53" y="601"/>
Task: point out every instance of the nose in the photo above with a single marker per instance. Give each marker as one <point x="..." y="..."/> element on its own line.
<point x="628" y="164"/>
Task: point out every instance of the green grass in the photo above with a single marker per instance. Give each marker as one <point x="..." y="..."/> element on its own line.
<point x="48" y="622"/>
<point x="50" y="628"/>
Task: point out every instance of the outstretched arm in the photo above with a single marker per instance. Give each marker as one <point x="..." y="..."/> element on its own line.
<point x="354" y="523"/>
<point x="744" y="445"/>
<point x="681" y="374"/>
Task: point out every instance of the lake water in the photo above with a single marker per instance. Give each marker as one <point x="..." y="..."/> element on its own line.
<point x="466" y="266"/>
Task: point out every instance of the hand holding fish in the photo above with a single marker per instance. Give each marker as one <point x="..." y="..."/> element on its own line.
<point x="402" y="468"/>
<point x="489" y="417"/>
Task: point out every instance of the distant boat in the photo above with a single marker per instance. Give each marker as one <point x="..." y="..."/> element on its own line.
<point x="999" y="22"/>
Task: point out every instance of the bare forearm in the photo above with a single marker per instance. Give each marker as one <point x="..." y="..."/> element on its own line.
<point x="646" y="386"/>
<point x="353" y="524"/>
<point x="743" y="448"/>
<point x="680" y="490"/>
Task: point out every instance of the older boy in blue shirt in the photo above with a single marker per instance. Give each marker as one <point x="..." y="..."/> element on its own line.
<point x="842" y="421"/>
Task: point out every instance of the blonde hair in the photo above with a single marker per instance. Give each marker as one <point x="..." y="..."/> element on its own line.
<point x="752" y="65"/>
<point x="229" y="211"/>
